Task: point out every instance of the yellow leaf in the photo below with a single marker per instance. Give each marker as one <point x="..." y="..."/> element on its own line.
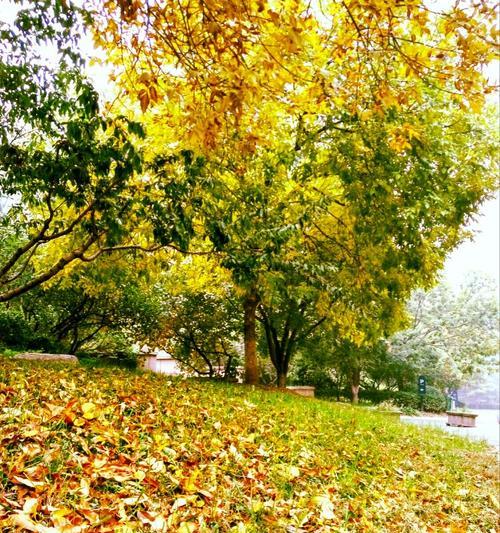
<point x="189" y="484"/>
<point x="24" y="521"/>
<point x="186" y="527"/>
<point x="58" y="516"/>
<point x="84" y="488"/>
<point x="494" y="501"/>
<point x="155" y="522"/>
<point x="179" y="502"/>
<point x="28" y="482"/>
<point x="139" y="474"/>
<point x="60" y="513"/>
<point x="90" y="411"/>
<point x="257" y="506"/>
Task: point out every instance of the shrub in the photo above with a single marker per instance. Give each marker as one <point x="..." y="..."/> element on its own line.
<point x="15" y="330"/>
<point x="433" y="402"/>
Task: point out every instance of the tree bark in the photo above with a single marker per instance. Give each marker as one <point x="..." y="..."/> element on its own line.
<point x="281" y="380"/>
<point x="250" y="337"/>
<point x="356" y="378"/>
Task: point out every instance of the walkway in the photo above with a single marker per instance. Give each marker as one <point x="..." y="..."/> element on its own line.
<point x="487" y="427"/>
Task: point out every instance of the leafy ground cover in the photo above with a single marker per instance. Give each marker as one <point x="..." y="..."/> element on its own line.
<point x="113" y="450"/>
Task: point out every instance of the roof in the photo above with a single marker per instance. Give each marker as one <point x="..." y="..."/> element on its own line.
<point x="162" y="354"/>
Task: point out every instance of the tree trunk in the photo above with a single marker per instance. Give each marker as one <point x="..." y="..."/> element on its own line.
<point x="74" y="342"/>
<point x="281" y="380"/>
<point x="356" y="378"/>
<point x="250" y="337"/>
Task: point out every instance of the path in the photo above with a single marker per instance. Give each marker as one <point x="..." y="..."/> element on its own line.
<point x="487" y="427"/>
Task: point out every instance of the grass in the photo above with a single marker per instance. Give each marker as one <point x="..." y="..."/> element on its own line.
<point x="100" y="449"/>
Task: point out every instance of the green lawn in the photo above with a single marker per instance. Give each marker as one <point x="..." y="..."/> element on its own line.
<point x="113" y="450"/>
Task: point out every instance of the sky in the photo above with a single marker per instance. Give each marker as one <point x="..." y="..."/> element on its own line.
<point x="480" y="254"/>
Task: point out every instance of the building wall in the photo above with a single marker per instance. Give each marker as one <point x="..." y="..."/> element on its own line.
<point x="167" y="366"/>
<point x="162" y="366"/>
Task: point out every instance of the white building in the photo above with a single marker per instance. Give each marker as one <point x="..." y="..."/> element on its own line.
<point x="158" y="361"/>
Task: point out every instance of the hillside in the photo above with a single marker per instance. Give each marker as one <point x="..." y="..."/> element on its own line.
<point x="112" y="450"/>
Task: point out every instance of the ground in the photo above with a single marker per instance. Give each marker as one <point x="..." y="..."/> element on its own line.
<point x="114" y="450"/>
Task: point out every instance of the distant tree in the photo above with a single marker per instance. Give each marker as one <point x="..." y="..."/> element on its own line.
<point x="202" y="331"/>
<point x="288" y="322"/>
<point x="341" y="366"/>
<point x="453" y="333"/>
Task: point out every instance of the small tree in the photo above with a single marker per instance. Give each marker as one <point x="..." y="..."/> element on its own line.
<point x="78" y="311"/>
<point x="202" y="330"/>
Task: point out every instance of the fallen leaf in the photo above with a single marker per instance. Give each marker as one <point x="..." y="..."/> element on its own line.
<point x="89" y="410"/>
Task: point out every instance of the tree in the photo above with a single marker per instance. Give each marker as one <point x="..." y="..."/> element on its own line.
<point x="328" y="138"/>
<point x="339" y="367"/>
<point x="286" y="328"/>
<point x="66" y="168"/>
<point x="202" y="331"/>
<point x="80" y="311"/>
<point x="74" y="177"/>
<point x="103" y="298"/>
<point x="453" y="333"/>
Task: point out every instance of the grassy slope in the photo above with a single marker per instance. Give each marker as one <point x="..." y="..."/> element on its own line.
<point x="111" y="450"/>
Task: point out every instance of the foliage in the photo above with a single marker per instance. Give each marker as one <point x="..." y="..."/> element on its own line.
<point x="220" y="81"/>
<point x="110" y="450"/>
<point x="72" y="172"/>
<point x="104" y="307"/>
<point x="65" y="166"/>
<point x="454" y="335"/>
<point x="18" y="332"/>
<point x="288" y="315"/>
<point x="337" y="142"/>
<point x="13" y="326"/>
<point x="434" y="401"/>
<point x="334" y="381"/>
<point x="203" y="331"/>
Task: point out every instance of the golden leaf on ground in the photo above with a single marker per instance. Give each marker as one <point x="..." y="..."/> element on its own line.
<point x="28" y="482"/>
<point x="23" y="520"/>
<point x="90" y="411"/>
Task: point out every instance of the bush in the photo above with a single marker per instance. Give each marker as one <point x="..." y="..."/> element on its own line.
<point x="15" y="331"/>
<point x="325" y="386"/>
<point x="375" y="396"/>
<point x="95" y="361"/>
<point x="432" y="402"/>
<point x="409" y="401"/>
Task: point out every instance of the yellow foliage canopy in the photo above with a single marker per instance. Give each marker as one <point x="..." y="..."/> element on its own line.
<point x="215" y="67"/>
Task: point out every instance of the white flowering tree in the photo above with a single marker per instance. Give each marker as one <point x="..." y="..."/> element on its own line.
<point x="453" y="333"/>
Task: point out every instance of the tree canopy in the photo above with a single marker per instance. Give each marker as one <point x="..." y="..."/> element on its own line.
<point x="207" y="65"/>
<point x="452" y="334"/>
